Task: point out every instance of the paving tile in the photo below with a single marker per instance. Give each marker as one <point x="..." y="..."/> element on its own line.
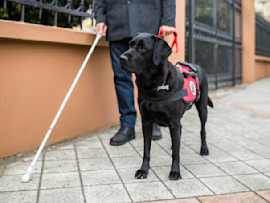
<point x="100" y="177"/>
<point x="60" y="180"/>
<point x="2" y="168"/>
<point x="263" y="165"/>
<point x="95" y="164"/>
<point x="187" y="149"/>
<point x="121" y="151"/>
<point x="61" y="195"/>
<point x="228" y="146"/>
<point x="156" y="151"/>
<point x="265" y="194"/>
<point x="190" y="200"/>
<point x="18" y="197"/>
<point x="84" y="153"/>
<point x="28" y="157"/>
<point x="239" y="139"/>
<point x="161" y="160"/>
<point x="66" y="146"/>
<point x="164" y="171"/>
<point x="246" y="197"/>
<point x="167" y="146"/>
<point x="186" y="159"/>
<point x="245" y="155"/>
<point x="106" y="193"/>
<point x="220" y="157"/>
<point x="236" y="168"/>
<point x="223" y="185"/>
<point x="148" y="191"/>
<point x="264" y="152"/>
<point x="128" y="176"/>
<point x="185" y="188"/>
<point x="13" y="183"/>
<point x="127" y="162"/>
<point x="267" y="174"/>
<point x="58" y="166"/>
<point x="255" y="181"/>
<point x="105" y="137"/>
<point x="64" y="154"/>
<point x="205" y="170"/>
<point x="137" y="142"/>
<point x="92" y="142"/>
<point x="197" y="147"/>
<point x="253" y="145"/>
<point x="20" y="168"/>
<point x="165" y="142"/>
<point x="191" y="140"/>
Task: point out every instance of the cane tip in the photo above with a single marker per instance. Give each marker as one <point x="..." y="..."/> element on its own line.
<point x="25" y="178"/>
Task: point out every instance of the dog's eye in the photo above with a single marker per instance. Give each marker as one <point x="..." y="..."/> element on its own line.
<point x="131" y="44"/>
<point x="142" y="48"/>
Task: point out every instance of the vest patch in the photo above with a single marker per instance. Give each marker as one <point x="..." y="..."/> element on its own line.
<point x="192" y="88"/>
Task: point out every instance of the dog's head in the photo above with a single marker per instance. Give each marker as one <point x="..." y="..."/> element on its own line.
<point x="146" y="52"/>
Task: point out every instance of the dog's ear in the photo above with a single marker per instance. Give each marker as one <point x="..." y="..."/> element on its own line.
<point x="161" y="51"/>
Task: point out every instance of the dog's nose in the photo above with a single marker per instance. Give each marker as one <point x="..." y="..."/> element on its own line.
<point x="123" y="58"/>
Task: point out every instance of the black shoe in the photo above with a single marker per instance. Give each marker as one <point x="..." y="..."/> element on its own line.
<point x="122" y="136"/>
<point x="156" y="134"/>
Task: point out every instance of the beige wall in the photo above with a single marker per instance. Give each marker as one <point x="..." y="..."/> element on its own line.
<point x="253" y="67"/>
<point x="248" y="41"/>
<point x="181" y="30"/>
<point x="36" y="71"/>
<point x="262" y="67"/>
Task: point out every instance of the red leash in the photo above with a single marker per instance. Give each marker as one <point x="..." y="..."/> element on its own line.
<point x="175" y="43"/>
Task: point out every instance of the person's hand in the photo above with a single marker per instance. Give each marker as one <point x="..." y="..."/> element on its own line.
<point x="167" y="30"/>
<point x="101" y="28"/>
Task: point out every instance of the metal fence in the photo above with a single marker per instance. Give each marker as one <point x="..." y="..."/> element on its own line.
<point x="262" y="36"/>
<point x="54" y="6"/>
<point x="213" y="39"/>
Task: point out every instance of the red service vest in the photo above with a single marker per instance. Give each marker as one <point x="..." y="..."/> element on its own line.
<point x="191" y="83"/>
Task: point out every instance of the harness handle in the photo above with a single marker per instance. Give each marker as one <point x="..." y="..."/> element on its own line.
<point x="175" y="43"/>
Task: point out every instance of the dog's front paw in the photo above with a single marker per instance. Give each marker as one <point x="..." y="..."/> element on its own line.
<point x="175" y="175"/>
<point x="141" y="174"/>
<point x="204" y="151"/>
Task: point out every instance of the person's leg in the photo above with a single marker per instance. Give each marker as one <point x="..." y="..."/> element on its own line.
<point x="156" y="133"/>
<point x="125" y="95"/>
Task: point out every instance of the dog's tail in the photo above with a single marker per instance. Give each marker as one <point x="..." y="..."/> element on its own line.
<point x="210" y="103"/>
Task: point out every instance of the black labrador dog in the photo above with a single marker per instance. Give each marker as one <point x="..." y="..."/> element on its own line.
<point x="147" y="58"/>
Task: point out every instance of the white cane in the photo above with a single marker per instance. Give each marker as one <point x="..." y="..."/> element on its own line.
<point x="26" y="177"/>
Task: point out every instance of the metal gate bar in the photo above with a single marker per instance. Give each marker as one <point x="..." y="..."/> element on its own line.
<point x="208" y="33"/>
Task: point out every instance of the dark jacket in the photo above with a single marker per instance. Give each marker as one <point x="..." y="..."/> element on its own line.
<point x="125" y="18"/>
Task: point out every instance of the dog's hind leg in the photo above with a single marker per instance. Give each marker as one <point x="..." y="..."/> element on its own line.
<point x="147" y="136"/>
<point x="201" y="106"/>
<point x="175" y="130"/>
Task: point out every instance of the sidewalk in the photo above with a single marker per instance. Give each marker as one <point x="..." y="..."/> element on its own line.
<point x="88" y="169"/>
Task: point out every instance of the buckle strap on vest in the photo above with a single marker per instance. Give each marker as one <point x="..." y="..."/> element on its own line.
<point x="191" y="66"/>
<point x="191" y="73"/>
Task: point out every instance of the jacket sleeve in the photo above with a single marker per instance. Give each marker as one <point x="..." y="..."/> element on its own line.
<point x="168" y="12"/>
<point x="100" y="11"/>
